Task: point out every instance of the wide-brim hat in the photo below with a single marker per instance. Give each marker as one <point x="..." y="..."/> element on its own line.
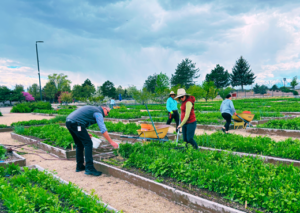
<point x="172" y="93"/>
<point x="180" y="93"/>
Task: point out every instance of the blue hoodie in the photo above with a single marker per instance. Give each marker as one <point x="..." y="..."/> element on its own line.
<point x="227" y="107"/>
<point x="171" y="104"/>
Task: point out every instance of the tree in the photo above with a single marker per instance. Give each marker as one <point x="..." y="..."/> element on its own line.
<point x="142" y="96"/>
<point x="260" y="89"/>
<point x="77" y="91"/>
<point x="263" y="89"/>
<point x="65" y="97"/>
<point x="50" y="90"/>
<point x="185" y="74"/>
<point x="224" y="92"/>
<point x="178" y="86"/>
<point x="61" y="82"/>
<point x="17" y="94"/>
<point x="34" y="91"/>
<point x="274" y="88"/>
<point x="120" y="90"/>
<point x="4" y="94"/>
<point x="87" y="82"/>
<point x="28" y="96"/>
<point x="88" y="88"/>
<point x="150" y="83"/>
<point x="219" y="76"/>
<point x="294" y="82"/>
<point x="210" y="90"/>
<point x="108" y="89"/>
<point x="131" y="90"/>
<point x="197" y="91"/>
<point x="162" y="83"/>
<point x="242" y="75"/>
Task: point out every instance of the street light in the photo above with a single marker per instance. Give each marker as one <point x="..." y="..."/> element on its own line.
<point x="37" y="58"/>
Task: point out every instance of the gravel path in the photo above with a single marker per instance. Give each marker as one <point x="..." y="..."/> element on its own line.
<point x="118" y="193"/>
<point x="15" y="117"/>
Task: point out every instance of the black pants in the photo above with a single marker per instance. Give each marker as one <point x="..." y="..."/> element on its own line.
<point x="188" y="132"/>
<point x="175" y="116"/>
<point x="83" y="143"/>
<point x="227" y="117"/>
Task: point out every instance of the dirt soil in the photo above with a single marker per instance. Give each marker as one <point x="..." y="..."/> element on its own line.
<point x="118" y="193"/>
<point x="7" y="119"/>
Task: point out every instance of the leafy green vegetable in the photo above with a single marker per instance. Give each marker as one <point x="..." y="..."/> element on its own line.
<point x="272" y="187"/>
<point x="293" y="124"/>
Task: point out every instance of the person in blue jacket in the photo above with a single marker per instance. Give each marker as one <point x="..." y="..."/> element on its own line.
<point x="172" y="109"/>
<point x="227" y="110"/>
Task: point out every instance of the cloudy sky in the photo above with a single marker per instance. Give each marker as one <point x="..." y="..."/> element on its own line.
<point x="126" y="41"/>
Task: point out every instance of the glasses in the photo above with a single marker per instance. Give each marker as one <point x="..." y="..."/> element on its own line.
<point x="181" y="97"/>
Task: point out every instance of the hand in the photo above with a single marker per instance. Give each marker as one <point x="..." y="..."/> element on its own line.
<point x="90" y="135"/>
<point x="178" y="127"/>
<point x="114" y="144"/>
<point x="235" y="113"/>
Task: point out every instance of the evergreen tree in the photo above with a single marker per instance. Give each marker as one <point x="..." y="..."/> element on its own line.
<point x="242" y="75"/>
<point x="219" y="76"/>
<point x="87" y="82"/>
<point x="108" y="89"/>
<point x="274" y="88"/>
<point x="185" y="74"/>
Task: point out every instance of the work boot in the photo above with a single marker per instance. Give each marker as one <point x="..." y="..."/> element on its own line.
<point x="80" y="168"/>
<point x="92" y="172"/>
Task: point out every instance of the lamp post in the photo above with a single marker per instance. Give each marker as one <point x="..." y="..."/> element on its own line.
<point x="37" y="58"/>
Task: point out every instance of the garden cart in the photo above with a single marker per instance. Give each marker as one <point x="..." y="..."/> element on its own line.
<point x="151" y="132"/>
<point x="242" y="119"/>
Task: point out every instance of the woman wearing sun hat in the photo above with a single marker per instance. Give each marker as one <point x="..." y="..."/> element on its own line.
<point x="188" y="117"/>
<point x="172" y="109"/>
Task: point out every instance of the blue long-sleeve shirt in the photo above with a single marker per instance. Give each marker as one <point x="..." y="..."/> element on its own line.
<point x="227" y="107"/>
<point x="100" y="121"/>
<point x="171" y="104"/>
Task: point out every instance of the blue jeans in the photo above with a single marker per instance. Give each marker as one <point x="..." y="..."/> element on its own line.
<point x="188" y="132"/>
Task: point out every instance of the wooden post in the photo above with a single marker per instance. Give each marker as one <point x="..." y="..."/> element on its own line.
<point x="246" y="204"/>
<point x="71" y="146"/>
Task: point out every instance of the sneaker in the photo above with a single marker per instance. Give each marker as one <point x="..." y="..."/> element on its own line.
<point x="92" y="172"/>
<point x="80" y="168"/>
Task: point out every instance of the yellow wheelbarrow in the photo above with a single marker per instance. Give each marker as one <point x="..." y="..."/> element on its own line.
<point x="242" y="119"/>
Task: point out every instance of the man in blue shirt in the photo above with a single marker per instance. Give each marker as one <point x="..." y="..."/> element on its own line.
<point x="172" y="109"/>
<point x="77" y="122"/>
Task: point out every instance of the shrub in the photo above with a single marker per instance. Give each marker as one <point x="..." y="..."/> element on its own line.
<point x="295" y="92"/>
<point x="30" y="107"/>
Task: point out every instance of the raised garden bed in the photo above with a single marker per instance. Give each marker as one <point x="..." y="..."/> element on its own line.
<point x="278" y="132"/>
<point x="33" y="189"/>
<point x="123" y="120"/>
<point x="12" y="158"/>
<point x="169" y="192"/>
<point x="10" y="128"/>
<point x="59" y="152"/>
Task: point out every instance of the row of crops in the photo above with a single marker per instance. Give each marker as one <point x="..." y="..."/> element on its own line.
<point x="56" y="135"/>
<point x="35" y="191"/>
<point x="273" y="188"/>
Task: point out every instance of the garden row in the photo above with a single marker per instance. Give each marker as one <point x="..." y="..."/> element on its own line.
<point x="263" y="186"/>
<point x="35" y="191"/>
